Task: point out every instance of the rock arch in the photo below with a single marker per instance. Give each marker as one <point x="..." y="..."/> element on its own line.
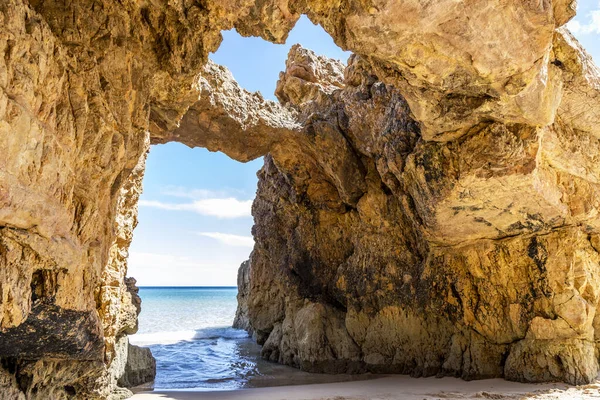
<point x="431" y="209"/>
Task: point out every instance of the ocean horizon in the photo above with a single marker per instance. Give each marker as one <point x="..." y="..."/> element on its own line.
<point x="188" y="287"/>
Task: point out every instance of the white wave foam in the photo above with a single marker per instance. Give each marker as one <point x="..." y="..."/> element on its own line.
<point x="145" y="339"/>
<point x="171" y="337"/>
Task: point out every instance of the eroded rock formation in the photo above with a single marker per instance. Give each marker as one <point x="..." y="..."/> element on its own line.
<point x="431" y="209"/>
<point x="241" y="320"/>
<point x="475" y="257"/>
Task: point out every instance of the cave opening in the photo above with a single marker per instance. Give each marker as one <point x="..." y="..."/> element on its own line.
<point x="412" y="227"/>
<point x="194" y="232"/>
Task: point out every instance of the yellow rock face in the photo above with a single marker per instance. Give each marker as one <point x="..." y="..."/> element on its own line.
<point x="430" y="209"/>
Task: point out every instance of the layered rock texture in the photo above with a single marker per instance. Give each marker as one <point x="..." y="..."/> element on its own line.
<point x="242" y="320"/>
<point x="431" y="208"/>
<point x="378" y="250"/>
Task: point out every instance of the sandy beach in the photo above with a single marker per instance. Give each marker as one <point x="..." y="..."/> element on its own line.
<point x="395" y="388"/>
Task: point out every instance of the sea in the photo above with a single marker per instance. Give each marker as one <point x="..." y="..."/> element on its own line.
<point x="188" y="330"/>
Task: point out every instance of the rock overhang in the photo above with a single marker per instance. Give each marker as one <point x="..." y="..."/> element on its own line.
<point x="364" y="182"/>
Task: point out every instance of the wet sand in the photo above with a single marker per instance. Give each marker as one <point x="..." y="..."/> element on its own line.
<point x="397" y="387"/>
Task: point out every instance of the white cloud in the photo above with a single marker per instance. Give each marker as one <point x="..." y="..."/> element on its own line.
<point x="178" y="191"/>
<point x="215" y="207"/>
<point x="206" y="269"/>
<point x="184" y="192"/>
<point x="591" y="26"/>
<point x="229" y="239"/>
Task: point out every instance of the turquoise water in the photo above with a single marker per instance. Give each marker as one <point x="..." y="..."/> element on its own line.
<point x="190" y="335"/>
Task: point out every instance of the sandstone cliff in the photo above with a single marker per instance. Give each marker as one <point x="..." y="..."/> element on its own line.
<point x="242" y="321"/>
<point x="431" y="209"/>
<point x="475" y="257"/>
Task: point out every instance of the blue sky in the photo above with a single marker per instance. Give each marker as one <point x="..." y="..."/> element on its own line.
<point x="194" y="216"/>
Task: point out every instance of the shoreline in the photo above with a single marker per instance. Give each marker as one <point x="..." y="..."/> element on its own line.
<point x="393" y="387"/>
